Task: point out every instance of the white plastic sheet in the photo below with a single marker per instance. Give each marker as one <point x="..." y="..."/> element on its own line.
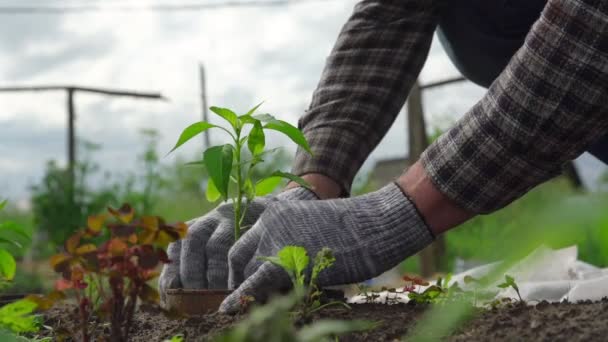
<point x="551" y="275"/>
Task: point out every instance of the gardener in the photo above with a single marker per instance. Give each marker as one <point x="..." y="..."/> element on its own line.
<point x="546" y="66"/>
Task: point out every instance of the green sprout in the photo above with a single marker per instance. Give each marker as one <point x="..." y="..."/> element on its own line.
<point x="226" y="165"/>
<point x="510" y="282"/>
<point x="294" y="260"/>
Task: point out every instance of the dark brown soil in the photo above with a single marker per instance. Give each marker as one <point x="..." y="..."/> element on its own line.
<point x="543" y="322"/>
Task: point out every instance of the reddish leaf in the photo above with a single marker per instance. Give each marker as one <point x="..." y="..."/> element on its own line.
<point x="125" y="213"/>
<point x="132" y="239"/>
<point x="72" y="243"/>
<point x="121" y="230"/>
<point x="148" y="260"/>
<point x="86" y="249"/>
<point x="95" y="223"/>
<point x="149" y="222"/>
<point x="59" y="262"/>
<point x="63" y="284"/>
<point x="181" y="229"/>
<point x="162" y="256"/>
<point x="117" y="247"/>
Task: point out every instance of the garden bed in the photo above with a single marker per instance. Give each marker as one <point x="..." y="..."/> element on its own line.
<point x="543" y="322"/>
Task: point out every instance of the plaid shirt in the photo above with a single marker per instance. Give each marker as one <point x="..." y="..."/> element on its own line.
<point x="546" y="108"/>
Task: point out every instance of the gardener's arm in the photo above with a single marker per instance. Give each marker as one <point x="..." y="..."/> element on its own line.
<point x="376" y="59"/>
<point x="545" y="109"/>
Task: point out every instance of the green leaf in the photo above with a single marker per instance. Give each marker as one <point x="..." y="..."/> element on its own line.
<point x="503" y="285"/>
<point x="257" y="140"/>
<point x="192" y="131"/>
<point x="509" y="280"/>
<point x="10" y="242"/>
<point x="324" y="259"/>
<point x="247" y="119"/>
<point x="218" y="161"/>
<point x="264" y="117"/>
<point x="252" y="110"/>
<point x="249" y="189"/>
<point x="290" y="131"/>
<point x="227" y="115"/>
<point x="200" y="163"/>
<point x="291" y="177"/>
<point x="17" y="316"/>
<point x="13" y="229"/>
<point x="211" y="192"/>
<point x="267" y="185"/>
<point x="3" y="204"/>
<point x="7" y="264"/>
<point x="294" y="259"/>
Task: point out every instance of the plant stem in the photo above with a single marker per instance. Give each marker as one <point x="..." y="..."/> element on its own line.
<point x="239" y="188"/>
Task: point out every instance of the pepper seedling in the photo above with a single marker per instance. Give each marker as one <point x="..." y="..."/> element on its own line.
<point x="295" y="261"/>
<point x="225" y="163"/>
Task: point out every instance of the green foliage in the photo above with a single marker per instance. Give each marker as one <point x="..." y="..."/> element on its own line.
<point x="176" y="338"/>
<point x="295" y="261"/>
<point x="510" y="282"/>
<point x="11" y="235"/>
<point x="272" y="323"/>
<point x="225" y="163"/>
<point x="60" y="205"/>
<point x="18" y="316"/>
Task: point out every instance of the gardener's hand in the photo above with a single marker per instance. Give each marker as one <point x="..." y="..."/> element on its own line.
<point x="368" y="235"/>
<point x="201" y="259"/>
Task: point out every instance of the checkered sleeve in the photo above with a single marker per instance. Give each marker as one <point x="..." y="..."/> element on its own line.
<point x="546" y="108"/>
<point x="367" y="77"/>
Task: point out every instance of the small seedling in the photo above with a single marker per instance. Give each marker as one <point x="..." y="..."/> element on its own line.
<point x="510" y="282"/>
<point x="368" y="294"/>
<point x="226" y="165"/>
<point x="273" y="322"/>
<point x="107" y="278"/>
<point x="295" y="261"/>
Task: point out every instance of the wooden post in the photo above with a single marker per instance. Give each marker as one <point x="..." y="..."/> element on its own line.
<point x="71" y="135"/>
<point x="430" y="257"/>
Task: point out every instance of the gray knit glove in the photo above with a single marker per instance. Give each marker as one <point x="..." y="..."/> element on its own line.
<point x="368" y="235"/>
<point x="201" y="259"/>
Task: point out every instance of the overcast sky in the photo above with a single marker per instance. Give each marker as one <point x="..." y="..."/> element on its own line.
<point x="251" y="54"/>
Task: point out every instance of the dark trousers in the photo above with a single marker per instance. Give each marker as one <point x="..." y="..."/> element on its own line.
<point x="481" y="36"/>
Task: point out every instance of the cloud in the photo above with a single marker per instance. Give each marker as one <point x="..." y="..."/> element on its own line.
<point x="250" y="54"/>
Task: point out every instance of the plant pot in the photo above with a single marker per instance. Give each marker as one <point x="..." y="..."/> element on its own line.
<point x="195" y="302"/>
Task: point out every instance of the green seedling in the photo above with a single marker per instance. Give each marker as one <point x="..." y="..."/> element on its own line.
<point x="226" y="165"/>
<point x="295" y="261"/>
<point x="368" y="294"/>
<point x="510" y="282"/>
<point x="273" y="322"/>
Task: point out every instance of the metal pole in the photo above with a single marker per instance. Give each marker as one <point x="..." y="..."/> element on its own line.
<point x="205" y="113"/>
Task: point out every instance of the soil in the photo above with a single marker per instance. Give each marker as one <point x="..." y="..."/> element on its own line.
<point x="543" y="322"/>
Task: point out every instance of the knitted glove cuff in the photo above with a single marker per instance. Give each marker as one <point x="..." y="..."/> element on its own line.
<point x="298" y="194"/>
